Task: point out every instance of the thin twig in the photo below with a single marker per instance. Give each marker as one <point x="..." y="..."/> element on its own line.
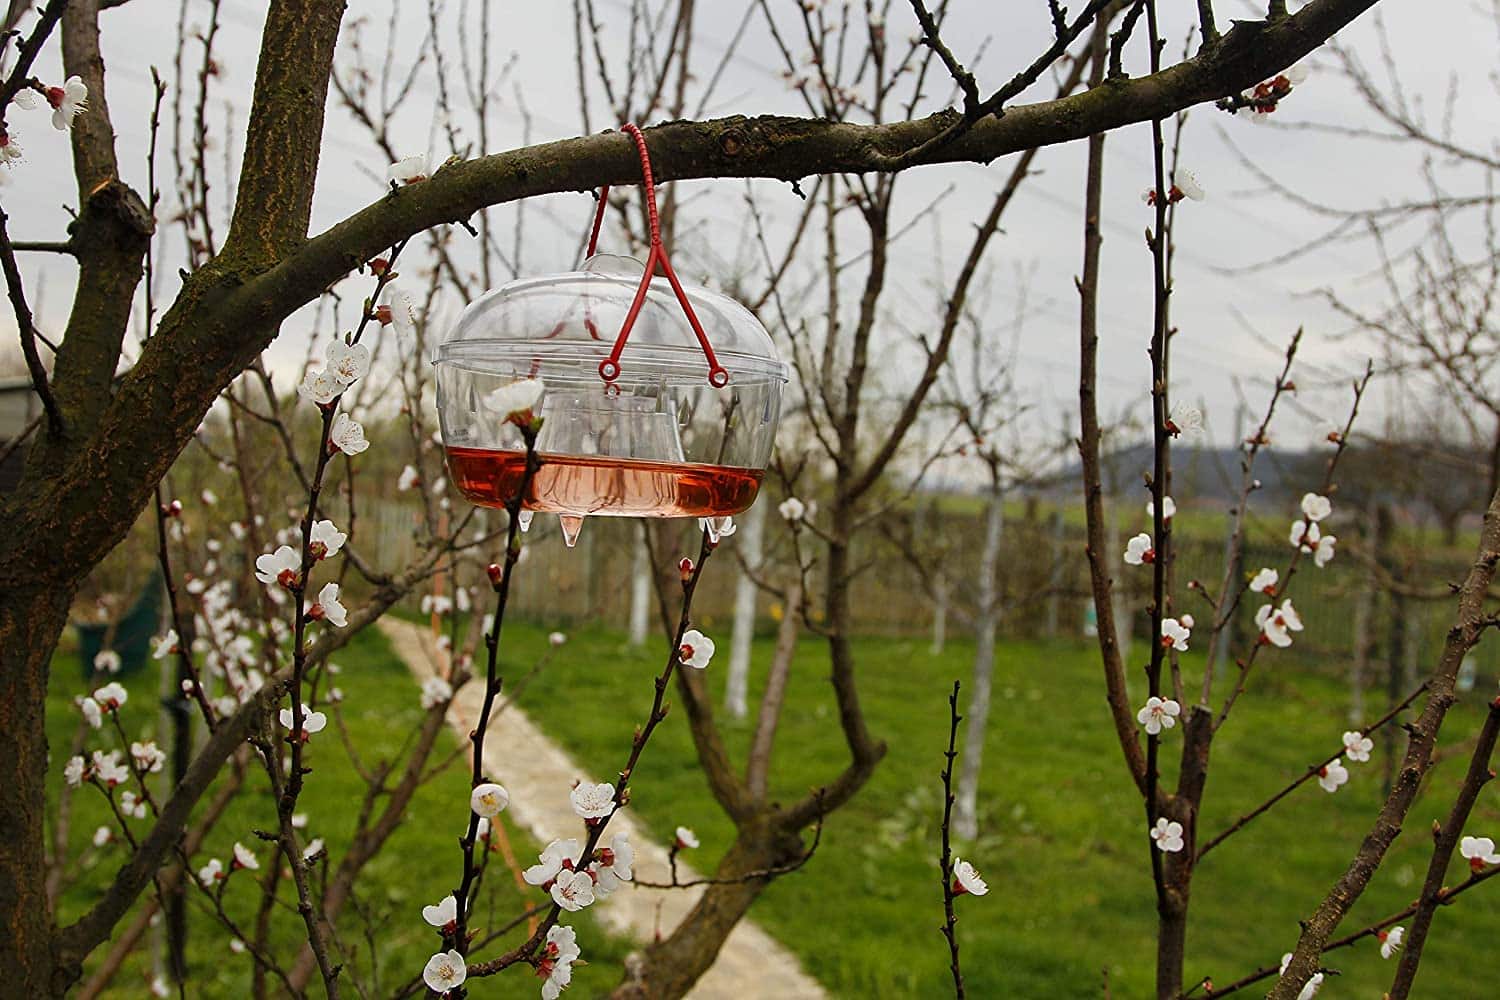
<point x="945" y="859"/>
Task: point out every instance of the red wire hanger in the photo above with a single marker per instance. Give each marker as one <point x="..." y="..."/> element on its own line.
<point x="609" y="368"/>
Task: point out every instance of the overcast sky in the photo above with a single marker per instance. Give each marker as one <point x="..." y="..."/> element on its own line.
<point x="1233" y="326"/>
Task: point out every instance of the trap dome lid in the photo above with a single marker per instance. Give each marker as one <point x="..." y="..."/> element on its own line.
<point x="555" y="324"/>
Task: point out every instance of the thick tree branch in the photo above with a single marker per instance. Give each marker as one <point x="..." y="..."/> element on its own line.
<point x="285" y="131"/>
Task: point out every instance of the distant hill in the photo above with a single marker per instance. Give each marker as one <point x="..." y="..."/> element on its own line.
<point x="1200" y="473"/>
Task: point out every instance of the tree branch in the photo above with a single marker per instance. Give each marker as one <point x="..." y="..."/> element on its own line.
<point x="1469" y="622"/>
<point x="1446" y="837"/>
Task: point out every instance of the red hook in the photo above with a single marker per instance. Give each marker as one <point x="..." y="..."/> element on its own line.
<point x="609" y="368"/>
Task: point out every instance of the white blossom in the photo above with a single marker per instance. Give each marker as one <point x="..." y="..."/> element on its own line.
<point x="1323" y="554"/>
<point x="1168" y="508"/>
<point x="67" y="102"/>
<point x="321" y="387"/>
<point x="244" y="857"/>
<point x="1185" y="420"/>
<point x="556" y="639"/>
<point x="436" y="604"/>
<point x="1480" y="851"/>
<point x="435" y="691"/>
<point x="1174" y="634"/>
<point x="92" y="713"/>
<point x="312" y="722"/>
<point x="10" y="150"/>
<point x="1315" y="508"/>
<point x="489" y="799"/>
<point x="615" y="864"/>
<point x="967" y="880"/>
<point x="518" y="399"/>
<point x="1265" y="580"/>
<point x="148" y="757"/>
<point x="554" y="858"/>
<point x="348" y="362"/>
<point x="445" y="971"/>
<point x="328" y="608"/>
<point x="324" y="540"/>
<point x="284" y="567"/>
<point x="408" y="170"/>
<point x="403" y="313"/>
<point x="107" y="661"/>
<point x="1332" y="775"/>
<point x="573" y="890"/>
<point x="443" y="915"/>
<point x="555" y="963"/>
<point x="1168" y="835"/>
<point x="1139" y="550"/>
<point x="111" y="696"/>
<point x="593" y="801"/>
<point x="1278" y="624"/>
<point x="1357" y="745"/>
<point x="74" y="771"/>
<point x="166" y="645"/>
<point x="132" y="804"/>
<point x="696" y="649"/>
<point x="1187" y="182"/>
<point x="792" y="509"/>
<point x="211" y="872"/>
<point x="103" y="835"/>
<point x="685" y="838"/>
<point x="347" y="435"/>
<point x="313" y="849"/>
<point x="409" y="477"/>
<point x="1158" y="714"/>
<point x="209" y="498"/>
<point x="1390" y="941"/>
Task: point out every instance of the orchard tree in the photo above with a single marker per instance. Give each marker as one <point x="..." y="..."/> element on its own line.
<point x="108" y="438"/>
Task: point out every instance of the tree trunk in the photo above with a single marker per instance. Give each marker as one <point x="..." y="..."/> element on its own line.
<point x="640" y="593"/>
<point x="1171" y="948"/>
<point x="939" y="617"/>
<point x="966" y="805"/>
<point x="737" y="684"/>
<point x="30" y="622"/>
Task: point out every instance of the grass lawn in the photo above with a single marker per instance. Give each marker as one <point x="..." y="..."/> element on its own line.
<point x="1064" y="847"/>
<point x="420" y="864"/>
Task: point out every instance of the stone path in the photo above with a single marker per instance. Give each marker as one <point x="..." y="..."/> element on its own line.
<point x="537" y="772"/>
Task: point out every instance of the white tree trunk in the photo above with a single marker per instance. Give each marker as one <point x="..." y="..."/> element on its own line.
<point x="939" y="616"/>
<point x="737" y="685"/>
<point x="986" y="616"/>
<point x="640" y="592"/>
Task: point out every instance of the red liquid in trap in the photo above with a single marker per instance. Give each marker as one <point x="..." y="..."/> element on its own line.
<point x="621" y="487"/>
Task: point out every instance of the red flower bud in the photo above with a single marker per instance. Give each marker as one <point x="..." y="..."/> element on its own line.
<point x="379" y="266"/>
<point x="383" y="313"/>
<point x="685" y="567"/>
<point x="493" y="571"/>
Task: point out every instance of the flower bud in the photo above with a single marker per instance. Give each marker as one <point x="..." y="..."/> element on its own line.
<point x="685" y="567"/>
<point x="493" y="571"/>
